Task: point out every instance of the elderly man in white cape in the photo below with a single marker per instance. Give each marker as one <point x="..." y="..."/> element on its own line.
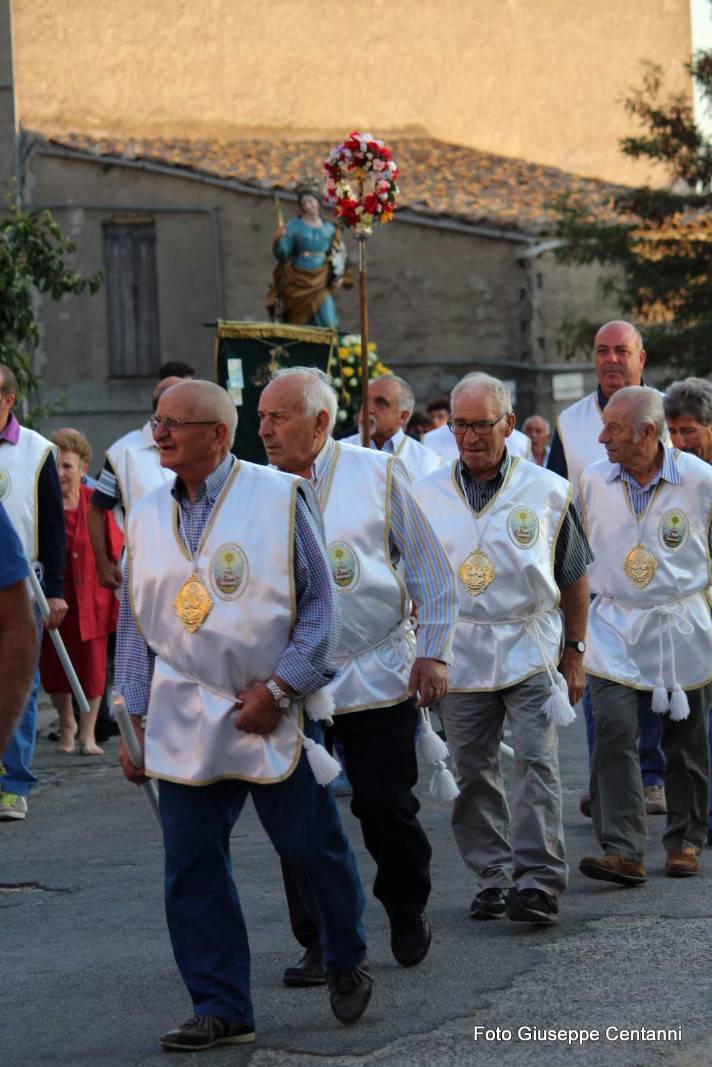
<point x="228" y="618"/>
<point x="391" y="403"/>
<point x="520" y="554"/>
<point x="372" y="522"/>
<point x="647" y="509"/>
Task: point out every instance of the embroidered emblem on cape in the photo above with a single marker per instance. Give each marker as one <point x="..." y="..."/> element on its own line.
<point x="5" y="483"/>
<point x="673" y="529"/>
<point x="476" y="572"/>
<point x="640" y="566"/>
<point x="193" y="603"/>
<point x="344" y="565"/>
<point x="228" y="571"/>
<point x="523" y="526"/>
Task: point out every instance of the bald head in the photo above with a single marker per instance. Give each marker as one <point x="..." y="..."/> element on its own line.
<point x="619" y="356"/>
<point x="202" y="400"/>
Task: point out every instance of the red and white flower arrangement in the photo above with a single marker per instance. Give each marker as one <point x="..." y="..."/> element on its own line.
<point x="361" y="184"/>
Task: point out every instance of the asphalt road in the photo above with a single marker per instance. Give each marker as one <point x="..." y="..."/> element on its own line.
<point x="88" y="977"/>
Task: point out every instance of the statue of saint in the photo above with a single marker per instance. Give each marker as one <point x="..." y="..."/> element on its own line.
<point x="312" y="262"/>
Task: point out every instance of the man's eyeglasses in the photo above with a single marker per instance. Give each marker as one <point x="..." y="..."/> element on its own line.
<point x="481" y="427"/>
<point x="171" y="424"/>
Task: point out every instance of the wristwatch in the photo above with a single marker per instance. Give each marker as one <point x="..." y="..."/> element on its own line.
<point x="580" y="646"/>
<point x="281" y="699"/>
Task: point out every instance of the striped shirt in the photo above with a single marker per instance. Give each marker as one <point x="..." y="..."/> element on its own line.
<point x="427" y="573"/>
<point x="305" y="663"/>
<point x="641" y="495"/>
<point x="573" y="552"/>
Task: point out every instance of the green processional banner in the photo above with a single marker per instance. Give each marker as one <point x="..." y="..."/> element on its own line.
<point x="246" y="356"/>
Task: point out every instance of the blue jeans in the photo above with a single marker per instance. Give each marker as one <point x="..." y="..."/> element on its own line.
<point x="652" y="762"/>
<point x="17" y="757"/>
<point x="203" y="910"/>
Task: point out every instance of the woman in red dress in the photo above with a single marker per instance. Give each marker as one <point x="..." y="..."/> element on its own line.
<point x="92" y="610"/>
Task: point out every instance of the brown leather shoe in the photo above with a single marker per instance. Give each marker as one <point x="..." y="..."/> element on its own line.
<point x="612" y="868"/>
<point x="682" y="864"/>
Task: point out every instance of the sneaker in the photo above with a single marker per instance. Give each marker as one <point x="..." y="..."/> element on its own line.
<point x="350" y="993"/>
<point x="489" y="904"/>
<point x="207" y="1031"/>
<point x="654" y="798"/>
<point x="613" y="868"/>
<point x="12" y="806"/>
<point x="309" y="971"/>
<point x="410" y="941"/>
<point x="532" y="906"/>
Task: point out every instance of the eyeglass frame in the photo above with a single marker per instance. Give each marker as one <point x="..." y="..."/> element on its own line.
<point x="170" y="423"/>
<point x="481" y="427"/>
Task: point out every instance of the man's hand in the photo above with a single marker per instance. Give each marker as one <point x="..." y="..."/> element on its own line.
<point x="571" y="666"/>
<point x="257" y="712"/>
<point x="134" y="774"/>
<point x="109" y="575"/>
<point x="57" y="611"/>
<point x="428" y="677"/>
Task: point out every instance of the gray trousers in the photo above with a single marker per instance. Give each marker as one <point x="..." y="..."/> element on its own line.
<point x="530" y="853"/>
<point x="617" y="805"/>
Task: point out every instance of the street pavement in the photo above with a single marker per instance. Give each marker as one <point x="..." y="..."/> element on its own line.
<point x="89" y="978"/>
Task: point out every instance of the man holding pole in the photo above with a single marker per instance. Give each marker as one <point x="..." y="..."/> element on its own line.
<point x="29" y="489"/>
<point x="229" y="584"/>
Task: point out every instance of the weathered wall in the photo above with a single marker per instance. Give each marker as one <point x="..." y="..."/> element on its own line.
<point x="438" y="300"/>
<point x="7" y="119"/>
<point x="542" y="81"/>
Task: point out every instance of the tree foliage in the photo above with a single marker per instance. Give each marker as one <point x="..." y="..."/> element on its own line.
<point x="33" y="254"/>
<point x="657" y="242"/>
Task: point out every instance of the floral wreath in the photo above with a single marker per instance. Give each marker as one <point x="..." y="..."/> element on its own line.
<point x="370" y="162"/>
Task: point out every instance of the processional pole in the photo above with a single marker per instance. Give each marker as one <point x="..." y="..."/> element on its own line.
<point x="371" y="163"/>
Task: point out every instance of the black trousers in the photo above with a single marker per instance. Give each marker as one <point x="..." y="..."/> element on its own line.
<point x="379" y="753"/>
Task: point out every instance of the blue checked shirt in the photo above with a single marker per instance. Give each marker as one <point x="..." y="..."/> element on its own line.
<point x="305" y="663"/>
<point x="641" y="495"/>
<point x="427" y="573"/>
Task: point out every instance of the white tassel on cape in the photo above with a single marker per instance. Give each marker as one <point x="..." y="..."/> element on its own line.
<point x="679" y="704"/>
<point x="660" y="703"/>
<point x="557" y="706"/>
<point x="432" y="749"/>
<point x="324" y="767"/>
<point x="319" y="706"/>
<point x="443" y="787"/>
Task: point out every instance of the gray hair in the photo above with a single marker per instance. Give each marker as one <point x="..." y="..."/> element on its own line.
<point x="646" y="408"/>
<point x="208" y="400"/>
<point x="318" y="393"/>
<point x="691" y="397"/>
<point x="407" y="396"/>
<point x="478" y="380"/>
<point x="529" y="419"/>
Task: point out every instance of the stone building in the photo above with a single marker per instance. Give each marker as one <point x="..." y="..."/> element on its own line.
<point x="464" y="278"/>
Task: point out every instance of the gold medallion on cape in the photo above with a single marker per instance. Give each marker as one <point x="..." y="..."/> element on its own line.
<point x="640" y="566"/>
<point x="476" y="572"/>
<point x="193" y="603"/>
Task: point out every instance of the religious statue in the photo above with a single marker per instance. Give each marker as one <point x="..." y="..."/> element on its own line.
<point x="312" y="262"/>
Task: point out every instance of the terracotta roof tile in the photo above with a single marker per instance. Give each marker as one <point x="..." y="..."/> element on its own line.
<point x="436" y="178"/>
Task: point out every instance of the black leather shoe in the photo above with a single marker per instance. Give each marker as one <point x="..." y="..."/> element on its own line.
<point x="532" y="906"/>
<point x="410" y="941"/>
<point x="350" y="993"/>
<point x="489" y="904"/>
<point x="206" y="1031"/>
<point x="309" y="970"/>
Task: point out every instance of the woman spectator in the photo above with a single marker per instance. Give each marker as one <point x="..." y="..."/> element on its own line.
<point x="92" y="610"/>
